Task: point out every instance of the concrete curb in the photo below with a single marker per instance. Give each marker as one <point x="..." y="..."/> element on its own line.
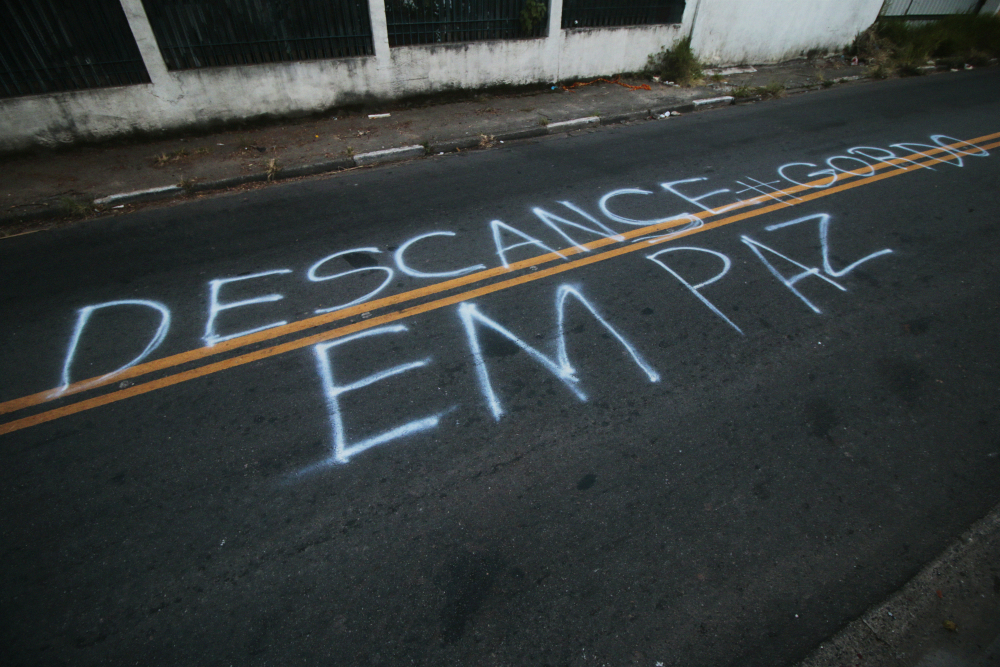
<point x="568" y="125"/>
<point x="627" y="117"/>
<point x="909" y="624"/>
<point x="714" y="102"/>
<point x="528" y="133"/>
<point x="140" y="195"/>
<point x="452" y="145"/>
<point x="389" y="155"/>
<point x="704" y="103"/>
<point x="225" y="183"/>
<point x="317" y="168"/>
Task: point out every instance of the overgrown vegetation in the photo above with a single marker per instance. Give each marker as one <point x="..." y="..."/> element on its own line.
<point x="770" y="91"/>
<point x="677" y="64"/>
<point x="894" y="47"/>
<point x="533" y="13"/>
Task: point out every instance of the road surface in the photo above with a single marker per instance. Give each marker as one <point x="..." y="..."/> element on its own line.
<point x="687" y="392"/>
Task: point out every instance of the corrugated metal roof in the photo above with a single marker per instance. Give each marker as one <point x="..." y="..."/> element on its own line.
<point x="926" y="7"/>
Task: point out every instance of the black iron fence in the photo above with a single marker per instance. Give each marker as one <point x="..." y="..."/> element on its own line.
<point x="441" y="21"/>
<point x="56" y="45"/>
<point x="214" y="33"/>
<point x="49" y="46"/>
<point x="606" y="13"/>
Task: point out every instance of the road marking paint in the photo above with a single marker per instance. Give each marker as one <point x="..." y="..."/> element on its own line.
<point x="437" y="288"/>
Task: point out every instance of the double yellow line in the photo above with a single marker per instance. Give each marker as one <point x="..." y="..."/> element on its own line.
<point x="898" y="166"/>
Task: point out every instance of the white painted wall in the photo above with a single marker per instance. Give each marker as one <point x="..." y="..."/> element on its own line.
<point x="760" y="31"/>
<point x="725" y="31"/>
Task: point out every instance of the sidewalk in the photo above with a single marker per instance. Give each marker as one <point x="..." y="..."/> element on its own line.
<point x="52" y="186"/>
<point x="948" y="615"/>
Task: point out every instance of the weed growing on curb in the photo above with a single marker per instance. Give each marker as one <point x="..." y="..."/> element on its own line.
<point x="166" y="158"/>
<point x="273" y="168"/>
<point x="677" y="64"/>
<point x="880" y="71"/>
<point x="770" y="91"/>
<point x="78" y="208"/>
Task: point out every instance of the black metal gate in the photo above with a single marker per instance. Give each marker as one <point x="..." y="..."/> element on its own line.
<point x="213" y="33"/>
<point x="49" y="46"/>
<point x="606" y="13"/>
<point x="442" y="21"/>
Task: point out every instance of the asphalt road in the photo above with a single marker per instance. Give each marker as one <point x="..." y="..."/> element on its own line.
<point x="710" y="450"/>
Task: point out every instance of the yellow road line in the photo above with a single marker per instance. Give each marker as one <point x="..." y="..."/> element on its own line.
<point x="393" y="300"/>
<point x="307" y="341"/>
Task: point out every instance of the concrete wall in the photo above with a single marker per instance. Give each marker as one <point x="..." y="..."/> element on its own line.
<point x="724" y="31"/>
<point x="760" y="31"/>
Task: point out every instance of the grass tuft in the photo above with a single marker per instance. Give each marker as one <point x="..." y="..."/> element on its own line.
<point x="78" y="208"/>
<point x="677" y="64"/>
<point x="768" y="92"/>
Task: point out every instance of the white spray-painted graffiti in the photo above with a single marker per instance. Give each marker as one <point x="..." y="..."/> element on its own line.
<point x="726" y="265"/>
<point x="858" y="162"/>
<point x="561" y="367"/>
<point x="83" y="317"/>
<point x="215" y="307"/>
<point x="341" y="450"/>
